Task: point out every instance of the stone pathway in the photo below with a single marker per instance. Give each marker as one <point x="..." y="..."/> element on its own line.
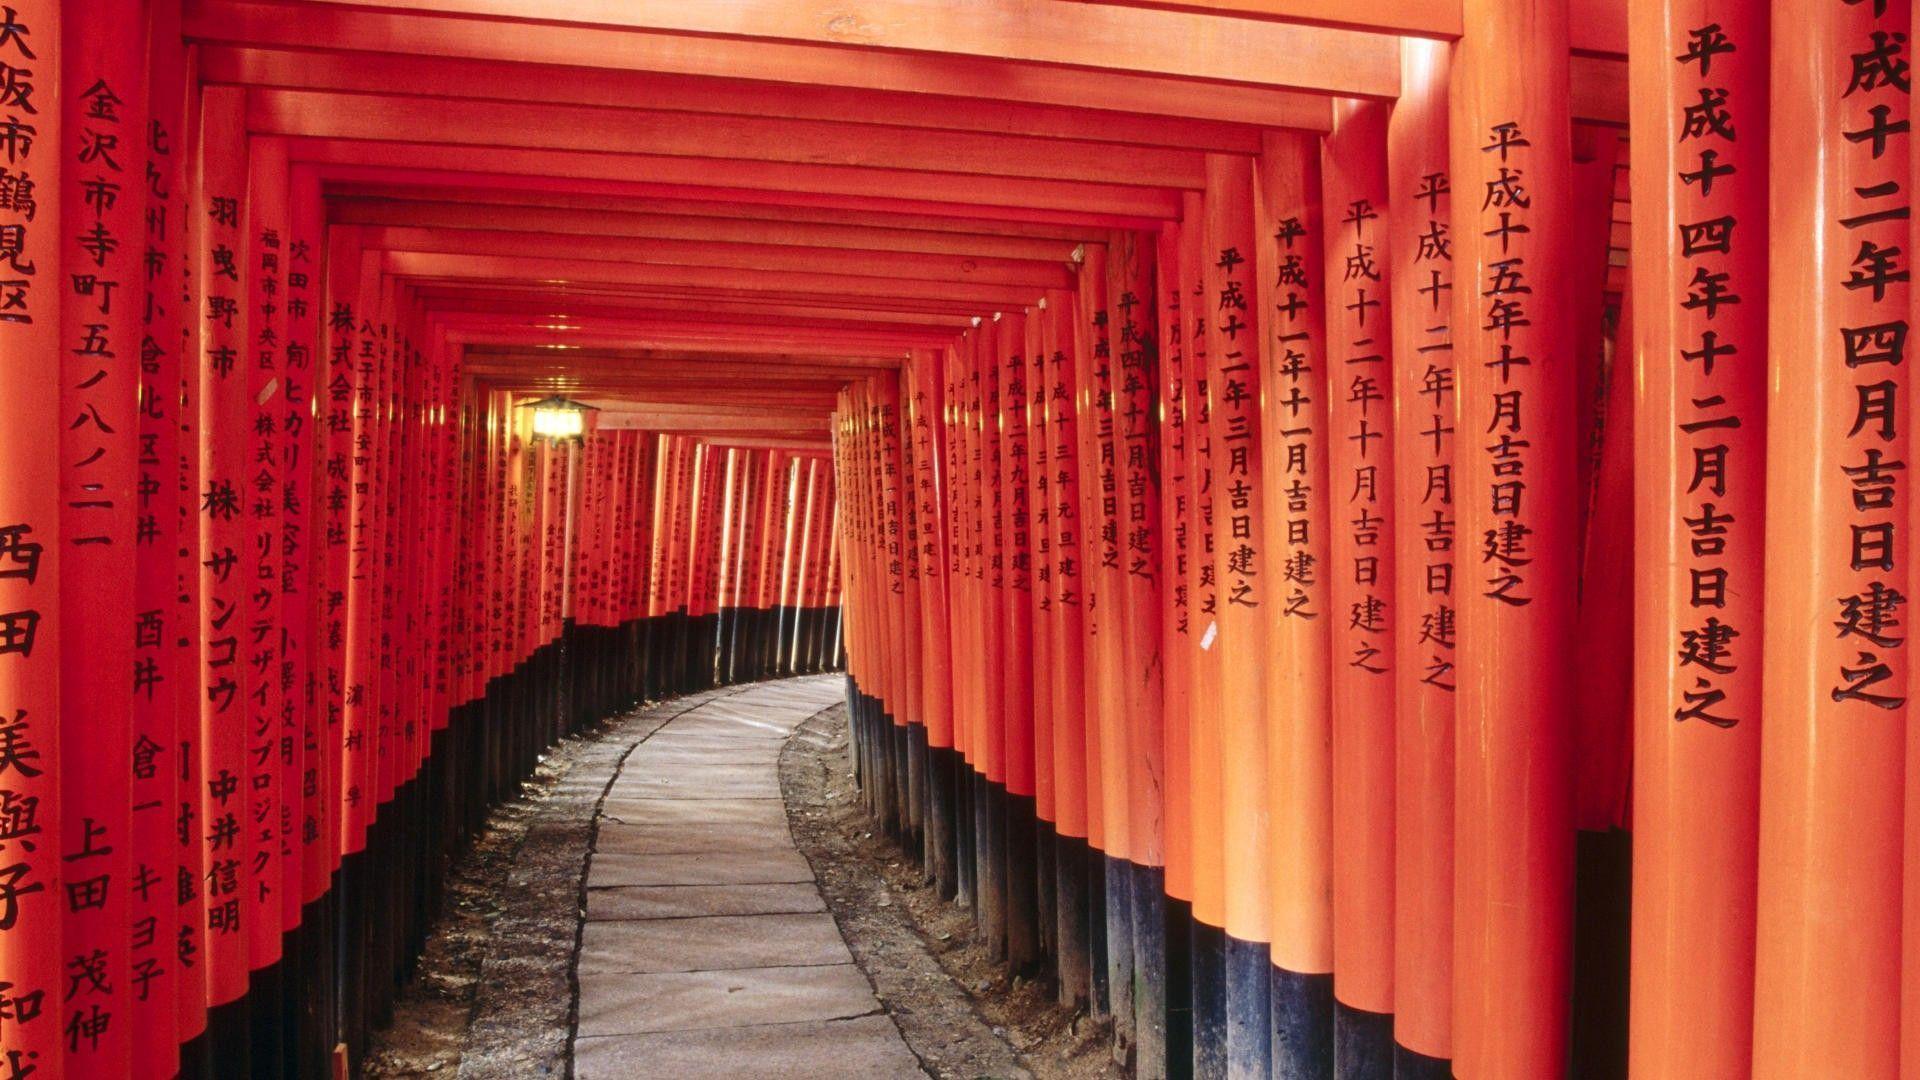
<point x="706" y="949"/>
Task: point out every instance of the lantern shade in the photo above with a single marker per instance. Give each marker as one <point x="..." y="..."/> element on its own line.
<point x="558" y="421"/>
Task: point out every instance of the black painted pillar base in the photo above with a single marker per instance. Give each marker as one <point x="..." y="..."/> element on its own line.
<point x="1023" y="896"/>
<point x="1045" y="840"/>
<point x="942" y="811"/>
<point x="1178" y="921"/>
<point x="1362" y="1043"/>
<point x="1070" y="941"/>
<point x="1248" y="1035"/>
<point x="1093" y="868"/>
<point x="1302" y="1031"/>
<point x="1149" y="925"/>
<point x="1209" y="1000"/>
<point x="993" y="878"/>
<point x="1119" y="886"/>
<point x="1412" y="1065"/>
<point x="966" y="860"/>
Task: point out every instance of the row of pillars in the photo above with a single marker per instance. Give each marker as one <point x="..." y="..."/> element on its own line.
<point x="288" y="599"/>
<point x="1330" y="640"/>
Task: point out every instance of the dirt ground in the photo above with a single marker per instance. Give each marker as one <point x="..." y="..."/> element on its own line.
<point x="953" y="1003"/>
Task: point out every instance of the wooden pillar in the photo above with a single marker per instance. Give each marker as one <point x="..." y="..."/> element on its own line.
<point x="1066" y="651"/>
<point x="1016" y="642"/>
<point x="100" y="162"/>
<point x="1516" y="367"/>
<point x="223" y="426"/>
<point x="32" y="897"/>
<point x="1135" y="388"/>
<point x="1700" y="514"/>
<point x="1420" y="254"/>
<point x="1203" y="729"/>
<point x="1832" y="781"/>
<point x="1244" y="605"/>
<point x="1361" y="579"/>
<point x="1299" y="535"/>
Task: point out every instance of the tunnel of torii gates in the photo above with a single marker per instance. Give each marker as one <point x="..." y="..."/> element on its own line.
<point x="1306" y="551"/>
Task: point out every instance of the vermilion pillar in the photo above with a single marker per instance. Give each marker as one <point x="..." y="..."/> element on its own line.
<point x="1244" y="595"/>
<point x="1136" y="388"/>
<point x="263" y="502"/>
<point x="101" y="97"/>
<point x="1298" y="536"/>
<point x="1361" y="580"/>
<point x="223" y="426"/>
<point x="1426" y="428"/>
<point x="1826" y="977"/>
<point x="1514" y="468"/>
<point x="1066" y="648"/>
<point x="31" y="890"/>
<point x="1700" y="451"/>
<point x="1203" y="729"/>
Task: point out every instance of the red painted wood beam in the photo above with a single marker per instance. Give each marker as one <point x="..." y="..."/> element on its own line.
<point x="1123" y="206"/>
<point x="658" y="226"/>
<point x="549" y="127"/>
<point x="309" y="27"/>
<point x="452" y="77"/>
<point x="694" y="253"/>
<point x="492" y="268"/>
<point x="1330" y="61"/>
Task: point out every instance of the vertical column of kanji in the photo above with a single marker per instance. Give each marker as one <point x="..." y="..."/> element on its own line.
<point x="1299" y="533"/>
<point x="1131" y="267"/>
<point x="1208" y="927"/>
<point x="333" y="497"/>
<point x="745" y="461"/>
<point x="1361" y="582"/>
<point x="1016" y="642"/>
<point x="1420" y="257"/>
<point x="1040" y="613"/>
<point x="301" y="450"/>
<point x="359" y="731"/>
<point x="1242" y="608"/>
<point x="905" y="569"/>
<point x="968" y="706"/>
<point x="991" y="816"/>
<point x="265" y="474"/>
<point x="1826" y="984"/>
<point x="1699" y="77"/>
<point x="32" y="981"/>
<point x="1176" y="638"/>
<point x="175" y="109"/>
<point x="224" y="548"/>
<point x="939" y="436"/>
<point x="1514" y="832"/>
<point x="1099" y="562"/>
<point x="102" y="104"/>
<point x="164" y="675"/>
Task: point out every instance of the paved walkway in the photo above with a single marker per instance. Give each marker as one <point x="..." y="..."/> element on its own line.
<point x="707" y="950"/>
